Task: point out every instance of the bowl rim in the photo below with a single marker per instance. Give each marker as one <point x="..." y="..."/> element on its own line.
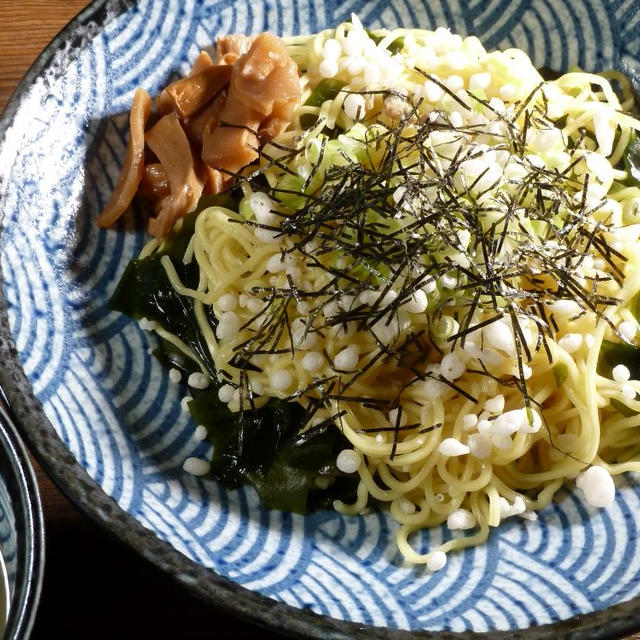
<point x="22" y="483"/>
<point x="26" y="413"/>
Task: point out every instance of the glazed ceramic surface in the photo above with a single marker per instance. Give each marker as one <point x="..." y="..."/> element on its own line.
<point x="114" y="408"/>
<point x="21" y="535"/>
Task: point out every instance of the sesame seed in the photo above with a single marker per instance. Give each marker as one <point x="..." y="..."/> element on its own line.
<point x="406" y="506"/>
<point x="483" y="426"/>
<point x="620" y="373"/>
<point x="198" y="380"/>
<point x="354" y="106"/>
<point x="564" y="307"/>
<point x="597" y="485"/>
<point x="371" y="74"/>
<point x="456" y="119"/>
<point x="227" y="302"/>
<point x="507" y="91"/>
<point x="509" y="422"/>
<point x="495" y="405"/>
<point x="228" y="325"/>
<point x="448" y="281"/>
<point x="312" y="361"/>
<point x="355" y="65"/>
<point x="200" y="433"/>
<point x="479" y="445"/>
<point x="254" y="305"/>
<point x="196" y="466"/>
<point x="628" y="392"/>
<point x="429" y="286"/>
<point x="436" y="560"/>
<point x="328" y="68"/>
<point x="456" y="60"/>
<point x="175" y="375"/>
<point x="331" y="49"/>
<point x="303" y="308"/>
<point x="461" y="519"/>
<point x="469" y="421"/>
<point x="451" y="447"/>
<point x="418" y="302"/>
<point x="496" y="104"/>
<point x="628" y="329"/>
<point x="276" y="263"/>
<point x="432" y="92"/>
<point x="507" y="510"/>
<point x="266" y="235"/>
<point x="480" y="81"/>
<point x="452" y="366"/>
<point x="398" y="194"/>
<point x="500" y="336"/>
<point x="348" y="461"/>
<point x="147" y="325"/>
<point x="281" y="380"/>
<point x="536" y="161"/>
<point x="570" y="342"/>
<point x="347" y="359"/>
<point x="527" y="371"/>
<point x="225" y="393"/>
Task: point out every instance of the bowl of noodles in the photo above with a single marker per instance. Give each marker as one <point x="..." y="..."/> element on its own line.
<point x="334" y="315"/>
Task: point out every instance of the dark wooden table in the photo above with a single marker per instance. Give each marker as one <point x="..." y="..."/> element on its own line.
<point x="96" y="588"/>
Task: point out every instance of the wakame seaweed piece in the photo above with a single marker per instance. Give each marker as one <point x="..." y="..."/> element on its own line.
<point x="173" y="358"/>
<point x="548" y="73"/>
<point x="344" y="487"/>
<point x="634" y="306"/>
<point x="622" y="408"/>
<point x="263" y="448"/>
<point x="289" y="488"/>
<point x="283" y="487"/>
<point x="614" y="353"/>
<point x="632" y="158"/>
<point x="314" y="450"/>
<point x="326" y="89"/>
<point x="289" y="482"/>
<point x="246" y="441"/>
<point x="144" y="291"/>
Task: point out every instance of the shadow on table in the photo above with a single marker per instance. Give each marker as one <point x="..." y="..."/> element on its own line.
<point x="97" y="588"/>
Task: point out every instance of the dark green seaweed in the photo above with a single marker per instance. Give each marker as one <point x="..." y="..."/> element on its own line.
<point x="632" y="159"/>
<point x="614" y="353"/>
<point x="261" y="447"/>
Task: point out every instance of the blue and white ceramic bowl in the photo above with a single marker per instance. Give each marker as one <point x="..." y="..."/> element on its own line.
<point x="21" y="536"/>
<point x="104" y="419"/>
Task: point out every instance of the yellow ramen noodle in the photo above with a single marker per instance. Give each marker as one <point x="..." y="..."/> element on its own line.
<point x="440" y="256"/>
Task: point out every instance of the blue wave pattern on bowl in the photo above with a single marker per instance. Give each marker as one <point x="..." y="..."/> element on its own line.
<point x="116" y="410"/>
<point x="8" y="539"/>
